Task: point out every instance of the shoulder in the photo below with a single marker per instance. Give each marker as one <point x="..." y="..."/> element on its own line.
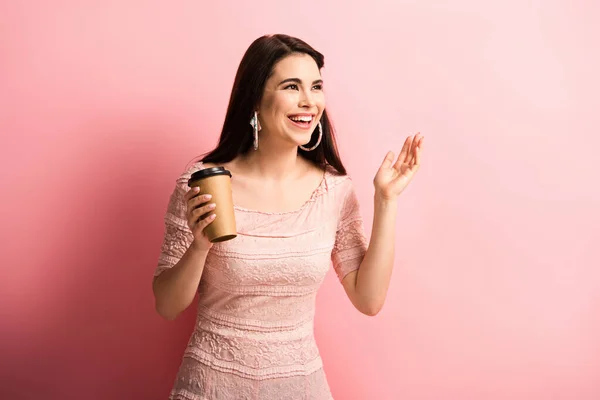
<point x="336" y="182"/>
<point x="185" y="175"/>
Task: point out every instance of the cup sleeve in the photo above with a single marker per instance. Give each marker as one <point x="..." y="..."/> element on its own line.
<point x="350" y="242"/>
<point x="177" y="235"/>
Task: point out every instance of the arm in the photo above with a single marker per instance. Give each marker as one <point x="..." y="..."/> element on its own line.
<point x="184" y="250"/>
<point x="175" y="288"/>
<point x="367" y="287"/>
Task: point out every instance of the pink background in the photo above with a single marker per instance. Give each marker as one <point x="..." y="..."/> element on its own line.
<point x="496" y="288"/>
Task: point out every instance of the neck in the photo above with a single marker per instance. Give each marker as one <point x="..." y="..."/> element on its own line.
<point x="273" y="162"/>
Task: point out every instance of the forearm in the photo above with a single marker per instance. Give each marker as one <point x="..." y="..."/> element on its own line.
<point x="175" y="288"/>
<point x="375" y="271"/>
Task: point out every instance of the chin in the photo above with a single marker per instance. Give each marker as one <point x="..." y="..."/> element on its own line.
<point x="299" y="138"/>
<point x="303" y="140"/>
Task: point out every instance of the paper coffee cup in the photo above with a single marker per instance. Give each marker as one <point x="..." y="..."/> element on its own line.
<point x="216" y="181"/>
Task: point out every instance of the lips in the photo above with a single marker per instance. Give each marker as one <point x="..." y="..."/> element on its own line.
<point x="302" y="120"/>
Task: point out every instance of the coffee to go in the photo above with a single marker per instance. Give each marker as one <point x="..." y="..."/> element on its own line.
<point x="216" y="181"/>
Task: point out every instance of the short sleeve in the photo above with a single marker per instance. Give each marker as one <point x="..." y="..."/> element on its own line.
<point x="177" y="235"/>
<point x="350" y="241"/>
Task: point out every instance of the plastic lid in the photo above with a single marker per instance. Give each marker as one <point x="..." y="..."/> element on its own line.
<point x="208" y="172"/>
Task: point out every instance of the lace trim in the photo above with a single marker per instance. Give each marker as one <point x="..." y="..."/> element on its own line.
<point x="260" y="290"/>
<point x="283" y="276"/>
<point x="302" y="325"/>
<point x="175" y="243"/>
<point x="351" y="243"/>
<point x="198" y="381"/>
<point x="222" y="251"/>
<point x="177" y="237"/>
<point x="349" y="249"/>
<point x="258" y="361"/>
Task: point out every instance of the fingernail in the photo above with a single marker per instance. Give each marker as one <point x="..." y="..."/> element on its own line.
<point x="212" y="205"/>
<point x="208" y="197"/>
<point x="213" y="216"/>
<point x="196" y="189"/>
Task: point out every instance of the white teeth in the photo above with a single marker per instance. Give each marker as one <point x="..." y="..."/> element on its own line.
<point x="302" y="119"/>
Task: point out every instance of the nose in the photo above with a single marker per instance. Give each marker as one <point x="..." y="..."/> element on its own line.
<point x="306" y="99"/>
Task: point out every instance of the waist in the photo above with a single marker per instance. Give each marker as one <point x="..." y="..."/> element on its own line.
<point x="221" y="323"/>
<point x="257" y="312"/>
<point x="255" y="354"/>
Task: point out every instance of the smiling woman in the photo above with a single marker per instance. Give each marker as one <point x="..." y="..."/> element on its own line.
<point x="296" y="213"/>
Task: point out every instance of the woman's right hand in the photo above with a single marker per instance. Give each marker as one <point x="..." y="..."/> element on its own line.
<point x="199" y="216"/>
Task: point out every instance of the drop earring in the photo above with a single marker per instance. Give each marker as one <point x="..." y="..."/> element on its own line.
<point x="255" y="128"/>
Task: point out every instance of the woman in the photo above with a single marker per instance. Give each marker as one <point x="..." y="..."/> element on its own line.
<point x="297" y="213"/>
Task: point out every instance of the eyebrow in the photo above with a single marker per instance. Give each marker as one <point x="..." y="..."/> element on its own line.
<point x="298" y="81"/>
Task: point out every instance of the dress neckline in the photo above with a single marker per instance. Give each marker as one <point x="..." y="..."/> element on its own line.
<point x="315" y="193"/>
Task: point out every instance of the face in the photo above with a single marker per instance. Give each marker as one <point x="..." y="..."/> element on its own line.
<point x="293" y="101"/>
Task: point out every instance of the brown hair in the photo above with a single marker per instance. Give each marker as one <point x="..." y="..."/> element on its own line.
<point x="253" y="72"/>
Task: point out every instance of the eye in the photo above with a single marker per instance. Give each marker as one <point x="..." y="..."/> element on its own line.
<point x="318" y="87"/>
<point x="293" y="86"/>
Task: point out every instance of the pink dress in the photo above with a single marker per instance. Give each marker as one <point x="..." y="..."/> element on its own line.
<point x="253" y="337"/>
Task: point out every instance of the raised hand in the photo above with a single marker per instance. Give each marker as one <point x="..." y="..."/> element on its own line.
<point x="393" y="177"/>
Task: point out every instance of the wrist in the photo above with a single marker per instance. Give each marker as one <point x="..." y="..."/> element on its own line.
<point x="383" y="201"/>
<point x="199" y="248"/>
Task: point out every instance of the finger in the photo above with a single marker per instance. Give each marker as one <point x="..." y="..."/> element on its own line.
<point x="418" y="151"/>
<point x="417" y="159"/>
<point x="198" y="214"/>
<point x="403" y="153"/>
<point x="420" y="141"/>
<point x="413" y="170"/>
<point x="191" y="193"/>
<point x="198" y="200"/>
<point x="405" y="147"/>
<point x="201" y="212"/>
<point x="200" y="226"/>
<point x="411" y="154"/>
<point x="388" y="160"/>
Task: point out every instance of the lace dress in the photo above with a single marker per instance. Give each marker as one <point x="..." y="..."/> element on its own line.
<point x="253" y="337"/>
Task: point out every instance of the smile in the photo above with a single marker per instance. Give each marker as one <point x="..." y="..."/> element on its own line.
<point x="302" y="120"/>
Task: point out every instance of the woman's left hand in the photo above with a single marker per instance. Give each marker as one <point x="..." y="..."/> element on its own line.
<point x="392" y="178"/>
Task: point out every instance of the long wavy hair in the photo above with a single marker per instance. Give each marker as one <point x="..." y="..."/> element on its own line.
<point x="253" y="72"/>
